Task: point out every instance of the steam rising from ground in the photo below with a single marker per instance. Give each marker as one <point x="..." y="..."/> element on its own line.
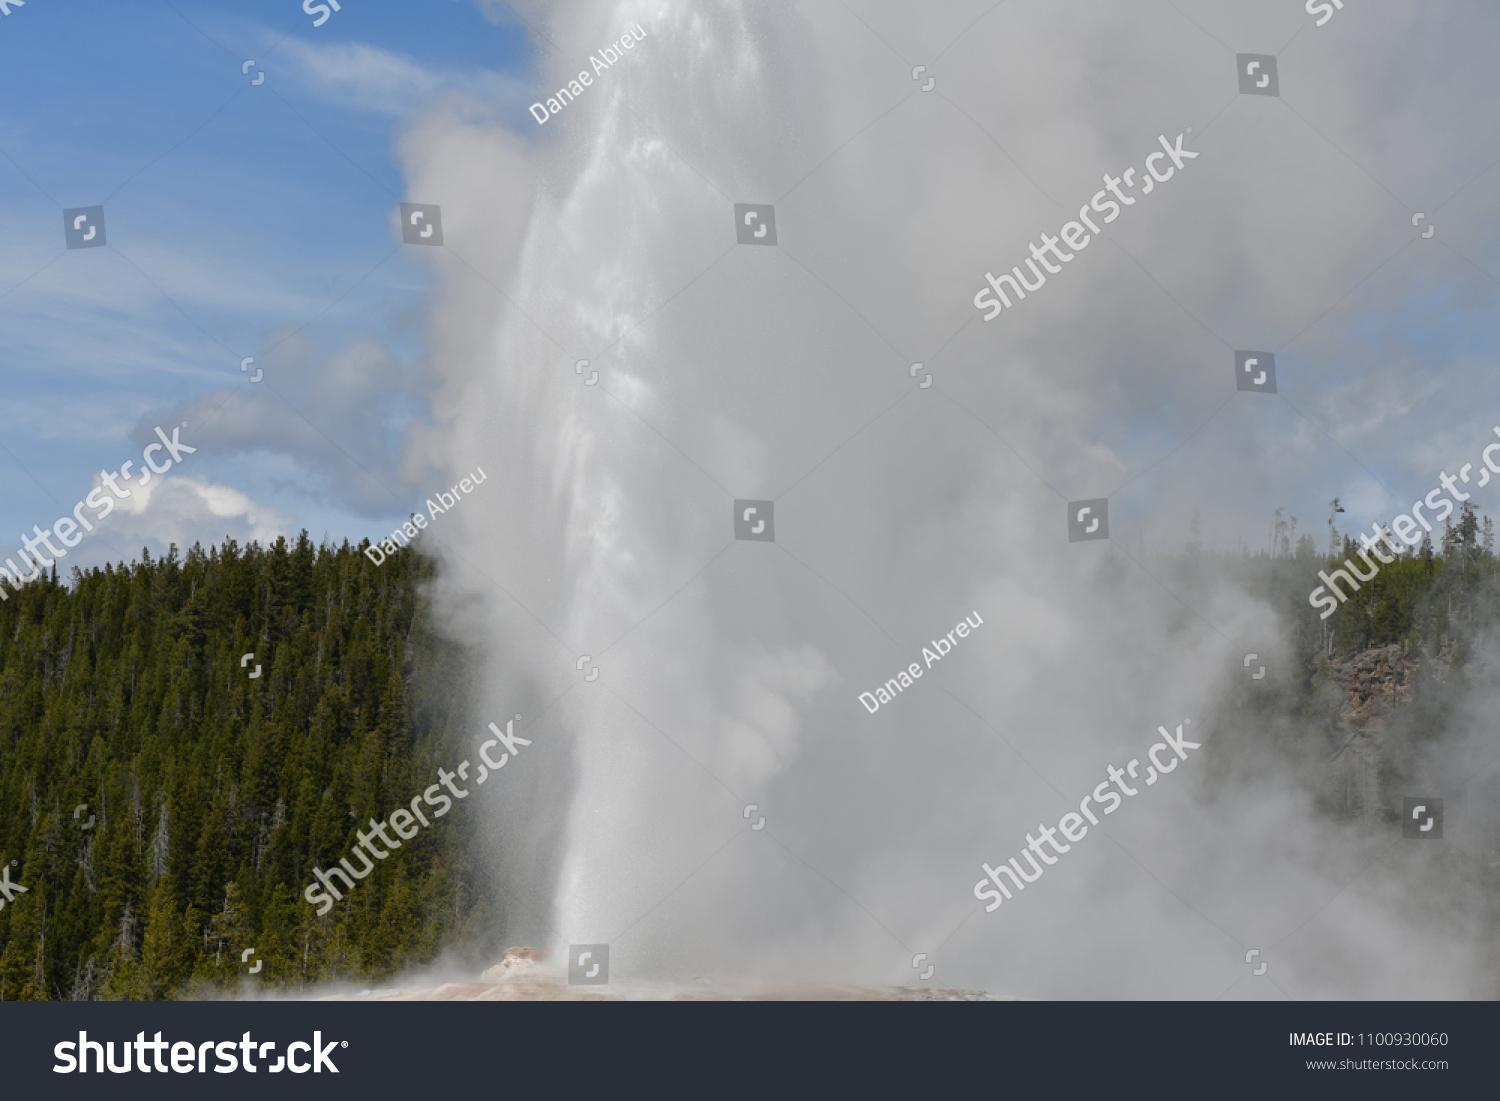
<point x="729" y="669"/>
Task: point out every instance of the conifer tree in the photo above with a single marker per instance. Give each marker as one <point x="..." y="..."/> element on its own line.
<point x="203" y="797"/>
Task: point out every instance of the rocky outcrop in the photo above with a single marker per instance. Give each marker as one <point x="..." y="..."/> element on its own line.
<point x="1374" y="683"/>
<point x="518" y="964"/>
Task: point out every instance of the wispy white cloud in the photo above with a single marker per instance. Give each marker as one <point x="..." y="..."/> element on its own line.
<point x="361" y="77"/>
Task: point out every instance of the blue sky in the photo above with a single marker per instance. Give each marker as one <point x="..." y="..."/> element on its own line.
<point x="247" y="220"/>
<point x="241" y="220"/>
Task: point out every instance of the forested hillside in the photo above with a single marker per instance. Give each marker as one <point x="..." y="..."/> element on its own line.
<point x="1391" y="695"/>
<point x="163" y="808"/>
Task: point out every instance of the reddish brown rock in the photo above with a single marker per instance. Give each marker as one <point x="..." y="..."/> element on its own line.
<point x="516" y="963"/>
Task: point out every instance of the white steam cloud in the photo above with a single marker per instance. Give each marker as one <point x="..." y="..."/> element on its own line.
<point x="729" y="669"/>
